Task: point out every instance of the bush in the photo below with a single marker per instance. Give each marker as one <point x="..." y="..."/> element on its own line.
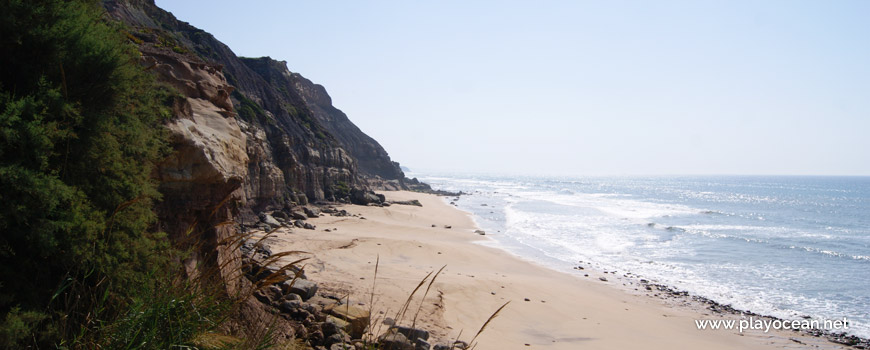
<point x="79" y="136"/>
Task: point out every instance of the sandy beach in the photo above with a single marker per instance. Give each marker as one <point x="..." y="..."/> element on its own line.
<point x="548" y="309"/>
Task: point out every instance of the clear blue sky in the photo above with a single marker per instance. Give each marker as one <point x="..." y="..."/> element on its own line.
<point x="580" y="87"/>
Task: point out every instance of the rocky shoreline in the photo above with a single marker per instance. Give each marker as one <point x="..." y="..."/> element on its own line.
<point x="673" y="295"/>
<point x="327" y="319"/>
<point x="323" y="320"/>
<point x="319" y="318"/>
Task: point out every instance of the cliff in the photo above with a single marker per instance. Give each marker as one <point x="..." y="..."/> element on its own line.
<point x="248" y="136"/>
<point x="279" y="136"/>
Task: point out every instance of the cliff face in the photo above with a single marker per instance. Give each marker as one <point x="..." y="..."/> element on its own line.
<point x="372" y="159"/>
<point x="247" y="136"/>
<point x="252" y="121"/>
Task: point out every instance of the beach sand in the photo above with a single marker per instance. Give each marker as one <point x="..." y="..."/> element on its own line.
<point x="564" y="310"/>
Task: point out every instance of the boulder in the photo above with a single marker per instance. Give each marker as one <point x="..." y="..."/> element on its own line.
<point x="279" y="215"/>
<point x="411" y="333"/>
<point x="298" y="215"/>
<point x="357" y="317"/>
<point x="334" y="324"/>
<point x="308" y="226"/>
<point x="334" y="339"/>
<point x="311" y="212"/>
<point x="413" y="202"/>
<point x="304" y="288"/>
<point x="289" y="306"/>
<point x="395" y="341"/>
<point x="362" y="197"/>
<point x="299" y="223"/>
<point x="269" y="220"/>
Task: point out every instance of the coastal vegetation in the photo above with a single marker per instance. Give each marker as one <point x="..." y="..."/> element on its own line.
<point x="86" y="259"/>
<point x="81" y="263"/>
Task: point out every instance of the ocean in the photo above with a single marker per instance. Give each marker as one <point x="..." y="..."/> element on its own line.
<point x="783" y="246"/>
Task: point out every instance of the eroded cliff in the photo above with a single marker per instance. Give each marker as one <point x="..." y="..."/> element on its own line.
<point x="257" y="124"/>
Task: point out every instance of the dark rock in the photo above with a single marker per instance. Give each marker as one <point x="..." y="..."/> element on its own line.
<point x="269" y="220"/>
<point x="298" y="215"/>
<point x="316" y="336"/>
<point x="299" y="223"/>
<point x="308" y="226"/>
<point x="421" y="344"/>
<point x="461" y="345"/>
<point x="304" y="288"/>
<point x="342" y="346"/>
<point x="362" y="197"/>
<point x="395" y="341"/>
<point x="262" y="297"/>
<point x="334" y="339"/>
<point x="279" y="215"/>
<point x="329" y="328"/>
<point x="311" y="212"/>
<point x="413" y="202"/>
<point x="480" y="232"/>
<point x="289" y="306"/>
<point x="411" y="333"/>
<point x="255" y="249"/>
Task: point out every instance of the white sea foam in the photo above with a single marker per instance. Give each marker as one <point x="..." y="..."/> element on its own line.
<point x="743" y="252"/>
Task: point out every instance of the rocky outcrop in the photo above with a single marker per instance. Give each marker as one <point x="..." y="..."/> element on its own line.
<point x="372" y="159"/>
<point x="252" y="144"/>
<point x="298" y="147"/>
<point x="202" y="179"/>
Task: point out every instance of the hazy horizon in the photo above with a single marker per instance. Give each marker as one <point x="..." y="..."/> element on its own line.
<point x="580" y="88"/>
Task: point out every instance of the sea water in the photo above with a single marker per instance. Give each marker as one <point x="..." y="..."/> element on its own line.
<point x="789" y="247"/>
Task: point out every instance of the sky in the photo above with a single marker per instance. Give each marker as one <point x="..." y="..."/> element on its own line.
<point x="580" y="87"/>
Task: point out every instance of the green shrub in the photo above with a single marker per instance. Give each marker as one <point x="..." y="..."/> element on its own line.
<point x="79" y="136"/>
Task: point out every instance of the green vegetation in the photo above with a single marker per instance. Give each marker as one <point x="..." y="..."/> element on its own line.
<point x="341" y="189"/>
<point x="80" y="132"/>
<point x="248" y="110"/>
